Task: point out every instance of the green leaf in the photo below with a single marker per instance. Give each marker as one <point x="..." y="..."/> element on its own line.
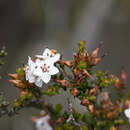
<point x="52" y="90"/>
<point x="20" y="71"/>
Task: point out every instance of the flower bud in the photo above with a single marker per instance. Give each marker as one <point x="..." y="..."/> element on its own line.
<point x="76" y="72"/>
<point x="14" y="76"/>
<point x="117" y="83"/>
<point x="85" y="72"/>
<point x="93" y="91"/>
<point x="17" y="83"/>
<point x="94" y="54"/>
<point x="91" y="108"/>
<point x="123" y="78"/>
<point x="85" y="102"/>
<point x="67" y="63"/>
<point x="95" y="61"/>
<point x="86" y="56"/>
<point x="77" y="58"/>
<point x="74" y="92"/>
<point x="64" y="83"/>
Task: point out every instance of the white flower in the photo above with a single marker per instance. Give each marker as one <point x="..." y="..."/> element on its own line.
<point x="43" y="124"/>
<point x="127" y="113"/>
<point x="49" y="53"/>
<point x="40" y="70"/>
<point x="45" y="69"/>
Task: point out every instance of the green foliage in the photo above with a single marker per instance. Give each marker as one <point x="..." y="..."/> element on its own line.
<point x="80" y="79"/>
<point x="52" y="90"/>
<point x="82" y="65"/>
<point x="20" y="71"/>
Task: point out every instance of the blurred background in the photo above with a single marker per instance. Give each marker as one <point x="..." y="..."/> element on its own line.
<point x="28" y="26"/>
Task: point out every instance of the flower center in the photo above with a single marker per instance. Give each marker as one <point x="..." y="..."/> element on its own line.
<point x="45" y="68"/>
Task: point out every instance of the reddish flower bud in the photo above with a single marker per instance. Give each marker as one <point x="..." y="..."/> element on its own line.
<point x="91" y="108"/>
<point x="121" y="83"/>
<point x="14" y="76"/>
<point x="123" y="78"/>
<point x="94" y="54"/>
<point x="93" y="91"/>
<point x="95" y="61"/>
<point x="85" y="102"/>
<point x="86" y="56"/>
<point x="117" y="83"/>
<point x="77" y="57"/>
<point x="74" y="92"/>
<point x="67" y="63"/>
<point x="85" y="72"/>
<point x="76" y="71"/>
<point x="17" y="83"/>
<point x="64" y="83"/>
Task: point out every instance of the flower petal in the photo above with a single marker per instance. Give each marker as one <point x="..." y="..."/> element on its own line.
<point x="31" y="79"/>
<point x="46" y="53"/>
<point x="53" y="70"/>
<point x="37" y="71"/>
<point x="49" y="62"/>
<point x="39" y="56"/>
<point x="56" y="57"/>
<point x="127" y="113"/>
<point x="39" y="83"/>
<point x="30" y="62"/>
<point x="46" y="77"/>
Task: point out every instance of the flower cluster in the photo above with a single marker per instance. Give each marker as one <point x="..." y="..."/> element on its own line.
<point x="42" y="68"/>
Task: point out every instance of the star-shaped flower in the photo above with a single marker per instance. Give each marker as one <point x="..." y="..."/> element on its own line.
<point x="49" y="53"/>
<point x="45" y="69"/>
<point x="127" y="113"/>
